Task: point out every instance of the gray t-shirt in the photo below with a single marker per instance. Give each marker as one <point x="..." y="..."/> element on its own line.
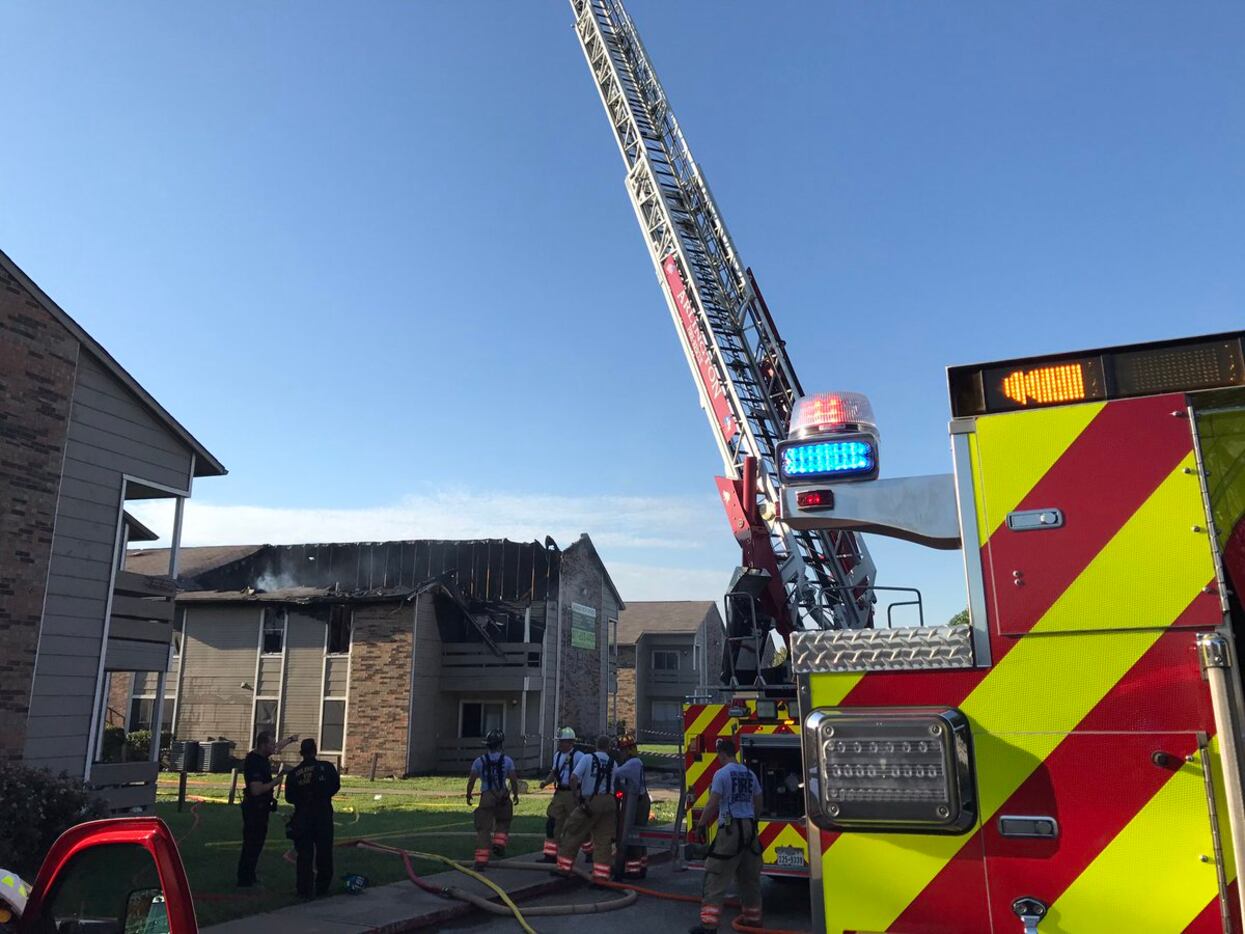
<point x="736" y="786"/>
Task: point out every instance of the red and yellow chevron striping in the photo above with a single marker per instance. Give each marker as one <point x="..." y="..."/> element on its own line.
<point x="1082" y="712"/>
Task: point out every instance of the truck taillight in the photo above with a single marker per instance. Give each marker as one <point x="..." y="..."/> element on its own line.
<point x="891" y="769"/>
<point x="815" y="499"/>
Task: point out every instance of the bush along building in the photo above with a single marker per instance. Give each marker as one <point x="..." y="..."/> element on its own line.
<point x="667" y="650"/>
<point x="81" y="441"/>
<point x="394" y="655"/>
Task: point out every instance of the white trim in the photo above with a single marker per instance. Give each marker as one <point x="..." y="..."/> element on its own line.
<point x="472" y="700"/>
<point x="341" y="762"/>
<point x="163" y="487"/>
<point x="285" y="647"/>
<point x="259" y="654"/>
<point x="181" y="667"/>
<point x="328" y="626"/>
<point x="276" y="717"/>
<point x="95" y="735"/>
<point x="284" y="619"/>
<point x="324" y="684"/>
<point x="345" y="714"/>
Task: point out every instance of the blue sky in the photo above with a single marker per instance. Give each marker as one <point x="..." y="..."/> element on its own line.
<point x="378" y="257"/>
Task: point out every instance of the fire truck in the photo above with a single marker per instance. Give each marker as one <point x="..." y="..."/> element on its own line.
<point x="790" y="579"/>
<point x="120" y="874"/>
<point x="1070" y="758"/>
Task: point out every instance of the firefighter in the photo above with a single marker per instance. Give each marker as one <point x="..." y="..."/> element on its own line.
<point x="595" y="813"/>
<point x="494" y="770"/>
<point x="734" y="799"/>
<point x="563" y="800"/>
<point x="629" y="777"/>
<point x="258" y="802"/>
<point x="310" y="787"/>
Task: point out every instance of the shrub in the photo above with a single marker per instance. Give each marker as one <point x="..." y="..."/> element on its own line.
<point x="138" y="746"/>
<point x="114" y="742"/>
<point x="36" y="807"/>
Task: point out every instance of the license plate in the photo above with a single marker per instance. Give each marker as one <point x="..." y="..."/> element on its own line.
<point x="790" y="857"/>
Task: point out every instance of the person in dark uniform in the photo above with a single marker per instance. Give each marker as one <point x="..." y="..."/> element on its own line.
<point x="310" y="788"/>
<point x="258" y="802"/>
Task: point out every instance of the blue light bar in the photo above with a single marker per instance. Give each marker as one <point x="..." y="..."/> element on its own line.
<point x="846" y="458"/>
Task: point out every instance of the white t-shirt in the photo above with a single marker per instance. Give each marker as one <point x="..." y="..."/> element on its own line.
<point x="486" y="769"/>
<point x="630" y="776"/>
<point x="563" y="765"/>
<point x="736" y="786"/>
<point x="589" y="769"/>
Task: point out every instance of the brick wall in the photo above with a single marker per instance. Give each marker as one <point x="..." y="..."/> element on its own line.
<point x="378" y="712"/>
<point x="120" y="687"/>
<point x="624" y="703"/>
<point x="37" y="363"/>
<point x="582" y="676"/>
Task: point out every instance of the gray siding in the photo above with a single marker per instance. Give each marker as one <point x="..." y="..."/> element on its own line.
<point x="269" y="676"/>
<point x="110" y="433"/>
<point x="218" y="650"/>
<point x="652" y="685"/>
<point x="336" y="675"/>
<point x="427" y="720"/>
<point x="304" y="675"/>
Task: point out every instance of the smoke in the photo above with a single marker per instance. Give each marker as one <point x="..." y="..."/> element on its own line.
<point x="269" y="581"/>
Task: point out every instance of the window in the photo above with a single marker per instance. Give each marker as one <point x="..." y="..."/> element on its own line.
<point x="666" y="661"/>
<point x="132" y="899"/>
<point x="272" y="639"/>
<point x="339" y="630"/>
<point x="142" y="713"/>
<point x="477" y="718"/>
<point x="666" y="711"/>
<point x="265" y="717"/>
<point x="333" y="726"/>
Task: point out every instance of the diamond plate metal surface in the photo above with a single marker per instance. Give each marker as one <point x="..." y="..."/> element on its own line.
<point x="910" y="649"/>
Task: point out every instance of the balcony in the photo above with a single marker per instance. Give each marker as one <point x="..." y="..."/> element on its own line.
<point x="454" y="756"/>
<point x="142" y="607"/>
<point x="469" y="666"/>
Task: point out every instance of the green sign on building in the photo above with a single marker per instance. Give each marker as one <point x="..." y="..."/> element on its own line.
<point x="583" y="626"/>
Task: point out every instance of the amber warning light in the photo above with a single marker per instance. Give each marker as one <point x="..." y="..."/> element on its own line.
<point x="1046" y="384"/>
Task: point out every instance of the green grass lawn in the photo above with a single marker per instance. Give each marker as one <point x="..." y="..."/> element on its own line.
<point x="426" y="814"/>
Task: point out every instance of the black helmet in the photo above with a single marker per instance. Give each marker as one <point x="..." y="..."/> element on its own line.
<point x="494" y="739"/>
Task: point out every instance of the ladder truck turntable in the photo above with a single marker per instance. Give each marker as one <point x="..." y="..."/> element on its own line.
<point x="1070" y="759"/>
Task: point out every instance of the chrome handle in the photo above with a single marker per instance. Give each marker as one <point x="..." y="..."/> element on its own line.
<point x="1030" y="911"/>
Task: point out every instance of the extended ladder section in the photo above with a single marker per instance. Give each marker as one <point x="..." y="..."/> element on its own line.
<point x="746" y="382"/>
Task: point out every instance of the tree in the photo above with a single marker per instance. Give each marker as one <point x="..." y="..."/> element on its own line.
<point x="959" y="619"/>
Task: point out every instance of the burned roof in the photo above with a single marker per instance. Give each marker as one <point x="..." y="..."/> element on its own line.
<point x="665" y="617"/>
<point x="191" y="562"/>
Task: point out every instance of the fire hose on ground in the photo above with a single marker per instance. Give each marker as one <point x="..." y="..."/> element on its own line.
<point x="632" y="892"/>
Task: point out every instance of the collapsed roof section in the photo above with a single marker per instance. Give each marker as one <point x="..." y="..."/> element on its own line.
<point x="490" y="590"/>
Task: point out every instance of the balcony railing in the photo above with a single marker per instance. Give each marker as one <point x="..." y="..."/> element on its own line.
<point x="473" y="665"/>
<point x="142" y="607"/>
<point x="455" y="756"/>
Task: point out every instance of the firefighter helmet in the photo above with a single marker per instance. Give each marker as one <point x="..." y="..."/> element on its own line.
<point x="626" y="741"/>
<point x="494" y="739"/>
<point x="566" y="733"/>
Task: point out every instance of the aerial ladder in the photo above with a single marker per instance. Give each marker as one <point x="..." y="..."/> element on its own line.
<point x="791" y="580"/>
<point x="747" y="385"/>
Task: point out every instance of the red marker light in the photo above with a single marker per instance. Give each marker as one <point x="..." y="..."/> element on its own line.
<point x="815" y="499"/>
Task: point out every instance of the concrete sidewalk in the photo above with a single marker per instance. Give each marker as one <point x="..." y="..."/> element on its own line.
<point x="401" y="906"/>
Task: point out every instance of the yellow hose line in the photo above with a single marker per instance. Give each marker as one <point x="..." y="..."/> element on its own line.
<point x="479" y="877"/>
